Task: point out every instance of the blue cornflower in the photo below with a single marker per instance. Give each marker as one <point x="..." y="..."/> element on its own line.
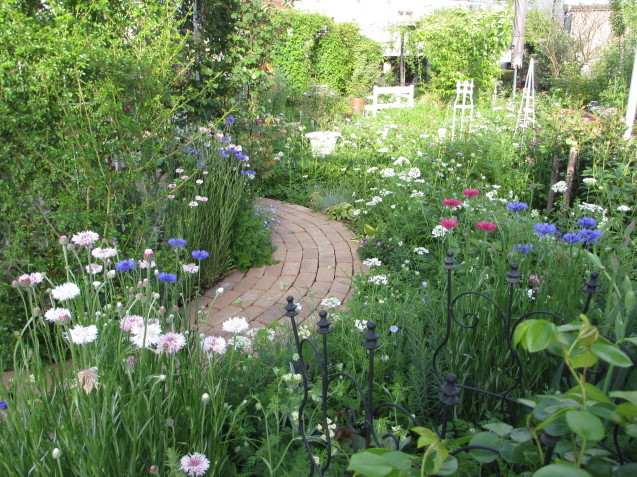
<point x="125" y="265"/>
<point x="589" y="236"/>
<point x="3" y="405"/>
<point x="241" y="156"/>
<point x="248" y="173"/>
<point x="176" y="242"/>
<point x="230" y="120"/>
<point x="587" y="222"/>
<point x="517" y="207"/>
<point x="224" y="153"/>
<point x="200" y="164"/>
<point x="200" y="254"/>
<point x="571" y="238"/>
<point x="226" y="139"/>
<point x="544" y="229"/>
<point x="523" y="248"/>
<point x="167" y="277"/>
<point x="190" y="150"/>
<point x="459" y="154"/>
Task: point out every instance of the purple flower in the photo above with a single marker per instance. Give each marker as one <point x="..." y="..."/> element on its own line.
<point x="544" y="229"/>
<point x="589" y="236"/>
<point x="248" y="173"/>
<point x="176" y="242"/>
<point x="3" y="405"/>
<point x="200" y="254"/>
<point x="167" y="277"/>
<point x="523" y="248"/>
<point x="459" y="154"/>
<point x="393" y="328"/>
<point x="571" y="238"/>
<point x="224" y="153"/>
<point x="517" y="207"/>
<point x="226" y="139"/>
<point x="587" y="222"/>
<point x="125" y="265"/>
<point x="200" y="164"/>
<point x="230" y="120"/>
<point x="190" y="150"/>
<point x="241" y="156"/>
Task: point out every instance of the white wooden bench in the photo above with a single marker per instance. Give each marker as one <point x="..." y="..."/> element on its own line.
<point x="400" y="97"/>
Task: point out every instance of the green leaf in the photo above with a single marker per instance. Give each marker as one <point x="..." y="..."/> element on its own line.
<point x="512" y="452"/>
<point x="585" y="425"/>
<point x="630" y="396"/>
<point x="487" y="439"/>
<point x="583" y="359"/>
<point x="592" y="392"/>
<point x="427" y="436"/>
<point x="631" y="430"/>
<point x="563" y="470"/>
<point x="611" y="354"/>
<point x="499" y="428"/>
<point x="595" y="260"/>
<point x="449" y="466"/>
<point x="520" y="332"/>
<point x="370" y="464"/>
<point x="627" y="409"/>
<point x="521" y="434"/>
<point x="539" y="335"/>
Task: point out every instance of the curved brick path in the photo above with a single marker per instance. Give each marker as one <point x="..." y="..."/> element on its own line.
<point x="315" y="259"/>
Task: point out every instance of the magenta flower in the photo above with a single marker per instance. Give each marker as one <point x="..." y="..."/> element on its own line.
<point x="488" y="226"/>
<point x="452" y="202"/>
<point x="448" y="223"/>
<point x="471" y="192"/>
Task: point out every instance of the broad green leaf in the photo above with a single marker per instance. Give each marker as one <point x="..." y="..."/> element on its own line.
<point x="627" y="409"/>
<point x="499" y="428"/>
<point x="605" y="411"/>
<point x="585" y="425"/>
<point x="370" y="464"/>
<point x="611" y="354"/>
<point x="528" y="402"/>
<point x="630" y="396"/>
<point x="520" y="332"/>
<point x="487" y="439"/>
<point x="595" y="260"/>
<point x="427" y="436"/>
<point x="521" y="434"/>
<point x="583" y="359"/>
<point x="569" y="327"/>
<point x="626" y="470"/>
<point x="433" y="459"/>
<point x="561" y="470"/>
<point x="513" y="452"/>
<point x="631" y="430"/>
<point x="449" y="466"/>
<point x="592" y="392"/>
<point x="632" y="339"/>
<point x="539" y="335"/>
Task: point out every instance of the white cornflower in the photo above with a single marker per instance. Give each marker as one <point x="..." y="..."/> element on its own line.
<point x="146" y="335"/>
<point x="94" y="268"/>
<point x="83" y="334"/>
<point x="623" y="208"/>
<point x="193" y="203"/>
<point x="190" y="268"/>
<point x="57" y="315"/>
<point x="421" y="250"/>
<point x="235" y="325"/>
<point x="87" y="237"/>
<point x="66" y="291"/>
<point x="103" y="253"/>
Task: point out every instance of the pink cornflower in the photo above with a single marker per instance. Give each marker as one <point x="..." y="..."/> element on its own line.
<point x="471" y="192"/>
<point x="179" y="171"/>
<point x="171" y="342"/>
<point x="195" y="464"/>
<point x="103" y="253"/>
<point x="148" y="253"/>
<point x="215" y="344"/>
<point x="172" y="186"/>
<point x="452" y="202"/>
<point x="199" y="181"/>
<point x="170" y="196"/>
<point x="94" y="268"/>
<point x="201" y="199"/>
<point x="448" y="223"/>
<point x="87" y="237"/>
<point x="488" y="226"/>
<point x="129" y="322"/>
<point x="190" y="268"/>
<point x="183" y="178"/>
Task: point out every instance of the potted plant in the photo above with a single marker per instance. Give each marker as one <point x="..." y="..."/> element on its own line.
<point x="366" y="73"/>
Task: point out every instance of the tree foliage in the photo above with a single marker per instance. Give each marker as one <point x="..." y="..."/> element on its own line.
<point x="463" y="45"/>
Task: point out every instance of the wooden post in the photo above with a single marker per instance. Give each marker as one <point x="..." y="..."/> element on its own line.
<point x="554" y="176"/>
<point x="573" y="155"/>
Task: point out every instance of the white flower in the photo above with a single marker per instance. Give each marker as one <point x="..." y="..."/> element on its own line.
<point x="87" y="237"/>
<point x="146" y="335"/>
<point x="88" y="379"/>
<point x="219" y="291"/>
<point x="111" y="274"/>
<point x="589" y="180"/>
<point x="240" y="342"/>
<point x="559" y="187"/>
<point x="56" y="453"/>
<point x="401" y="160"/>
<point x="375" y="200"/>
<point x="591" y="207"/>
<point x="235" y="325"/>
<point x="103" y="253"/>
<point x="421" y="250"/>
<point x="439" y="231"/>
<point x="190" y="268"/>
<point x="66" y="291"/>
<point x="372" y="262"/>
<point x="383" y="149"/>
<point x="378" y="279"/>
<point x="330" y="302"/>
<point x="215" y="344"/>
<point x="57" y="315"/>
<point x="388" y="172"/>
<point x="414" y="173"/>
<point x="193" y="203"/>
<point x="83" y="334"/>
<point x="372" y="169"/>
<point x="205" y="398"/>
<point x="623" y="208"/>
<point x="360" y="325"/>
<point x="96" y="284"/>
<point x="94" y="268"/>
<point x="417" y="193"/>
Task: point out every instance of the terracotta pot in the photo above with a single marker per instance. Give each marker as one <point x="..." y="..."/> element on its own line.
<point x="358" y="105"/>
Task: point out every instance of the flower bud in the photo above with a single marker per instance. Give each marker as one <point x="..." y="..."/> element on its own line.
<point x="56" y="454"/>
<point x="205" y="398"/>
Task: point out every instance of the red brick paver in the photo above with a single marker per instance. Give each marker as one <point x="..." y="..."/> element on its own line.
<point x="315" y="257"/>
